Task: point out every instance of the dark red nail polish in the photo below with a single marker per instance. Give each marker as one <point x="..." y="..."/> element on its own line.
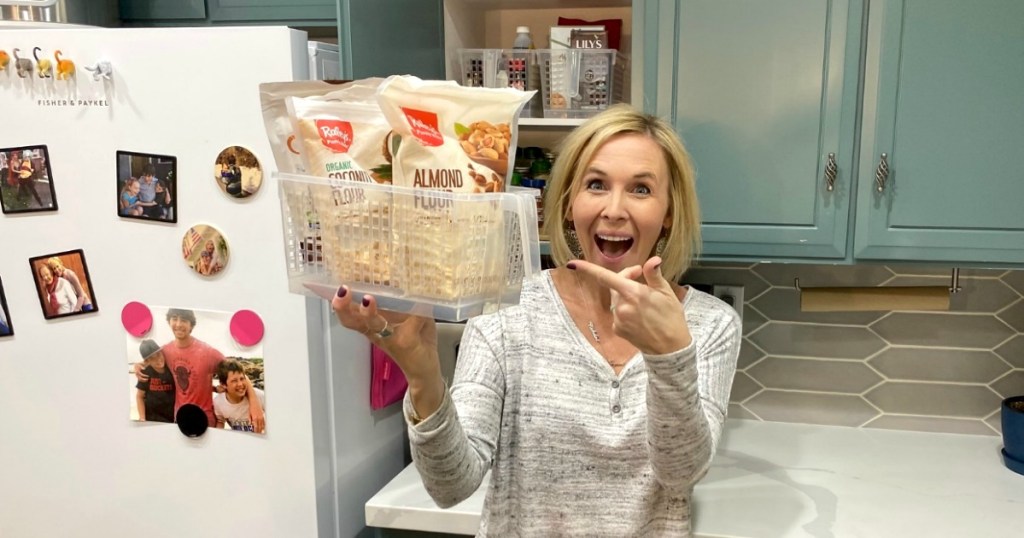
<point x="571" y="265"/>
<point x="342" y="291"/>
<point x="366" y="301"/>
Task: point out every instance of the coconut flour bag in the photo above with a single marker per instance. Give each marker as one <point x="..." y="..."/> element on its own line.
<point x="461" y="140"/>
<point x="279" y="126"/>
<point x="346" y="142"/>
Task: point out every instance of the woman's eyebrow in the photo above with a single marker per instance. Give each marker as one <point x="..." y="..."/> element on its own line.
<point x="638" y="175"/>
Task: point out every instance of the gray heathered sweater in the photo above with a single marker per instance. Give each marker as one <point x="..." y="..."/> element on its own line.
<point x="573" y="449"/>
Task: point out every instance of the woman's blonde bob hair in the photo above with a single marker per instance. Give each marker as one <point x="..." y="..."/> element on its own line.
<point x="577" y="150"/>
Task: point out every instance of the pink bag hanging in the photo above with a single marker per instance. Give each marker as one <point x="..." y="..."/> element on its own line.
<point x="387" y="382"/>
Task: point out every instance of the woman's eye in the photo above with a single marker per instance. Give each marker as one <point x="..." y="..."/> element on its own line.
<point x="595" y="184"/>
<point x="642" y="189"/>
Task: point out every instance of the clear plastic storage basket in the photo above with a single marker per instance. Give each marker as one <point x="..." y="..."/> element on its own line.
<point x="503" y="68"/>
<point x="439" y="254"/>
<point x="579" y="83"/>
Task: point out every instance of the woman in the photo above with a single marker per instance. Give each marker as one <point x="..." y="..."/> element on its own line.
<point x="597" y="402"/>
<point x="26" y="181"/>
<point x="59" y="296"/>
<point x="82" y="301"/>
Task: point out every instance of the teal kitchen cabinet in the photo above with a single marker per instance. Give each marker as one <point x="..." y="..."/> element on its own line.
<point x="944" y="101"/>
<point x="389" y="37"/>
<point x="148" y="10"/>
<point x="272" y="10"/>
<point x="375" y="37"/>
<point x="764" y="92"/>
<point x="764" y="96"/>
<point x="204" y="12"/>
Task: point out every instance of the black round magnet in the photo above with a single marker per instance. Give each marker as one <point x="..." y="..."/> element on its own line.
<point x="192" y="420"/>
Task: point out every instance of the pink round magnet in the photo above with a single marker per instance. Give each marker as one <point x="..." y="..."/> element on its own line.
<point x="136" y="318"/>
<point x="247" y="327"/>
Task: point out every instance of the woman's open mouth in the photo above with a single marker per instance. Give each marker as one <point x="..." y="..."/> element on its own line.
<point x="613" y="246"/>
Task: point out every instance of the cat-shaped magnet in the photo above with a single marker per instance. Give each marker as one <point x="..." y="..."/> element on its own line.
<point x="65" y="67"/>
<point x="4" y="60"/>
<point x="44" y="65"/>
<point x="22" y="65"/>
<point x="101" y="70"/>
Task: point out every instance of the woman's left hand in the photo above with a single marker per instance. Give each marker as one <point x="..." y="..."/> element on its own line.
<point x="646" y="312"/>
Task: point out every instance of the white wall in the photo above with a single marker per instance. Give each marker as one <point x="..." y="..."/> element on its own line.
<point x="71" y="464"/>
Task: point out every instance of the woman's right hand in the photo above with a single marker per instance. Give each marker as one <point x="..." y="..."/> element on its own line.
<point x="412" y="341"/>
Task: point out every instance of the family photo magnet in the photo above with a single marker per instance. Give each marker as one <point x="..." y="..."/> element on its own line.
<point x="6" y="327"/>
<point x="26" y="182"/>
<point x="188" y="369"/>
<point x="205" y="250"/>
<point x="63" y="284"/>
<point x="238" y="172"/>
<point x="147" y="186"/>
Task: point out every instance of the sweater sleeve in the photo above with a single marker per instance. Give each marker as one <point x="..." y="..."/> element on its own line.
<point x="453" y="448"/>
<point x="688" y="396"/>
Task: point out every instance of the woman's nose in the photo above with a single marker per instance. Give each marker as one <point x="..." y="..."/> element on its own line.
<point x="615" y="207"/>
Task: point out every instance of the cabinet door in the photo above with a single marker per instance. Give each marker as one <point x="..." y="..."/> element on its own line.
<point x="391" y="37"/>
<point x="944" y="81"/>
<point x="273" y="10"/>
<point x="161" y="9"/>
<point x="762" y="93"/>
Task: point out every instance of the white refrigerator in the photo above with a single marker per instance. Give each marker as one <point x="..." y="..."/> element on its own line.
<point x="73" y="464"/>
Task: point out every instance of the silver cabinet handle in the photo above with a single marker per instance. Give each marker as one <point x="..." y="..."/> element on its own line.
<point x="882" y="173"/>
<point x="830" y="172"/>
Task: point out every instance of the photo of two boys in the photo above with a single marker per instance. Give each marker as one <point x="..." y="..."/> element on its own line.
<point x="180" y="362"/>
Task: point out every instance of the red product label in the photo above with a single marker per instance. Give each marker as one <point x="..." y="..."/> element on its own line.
<point x="335" y="135"/>
<point x="424" y="126"/>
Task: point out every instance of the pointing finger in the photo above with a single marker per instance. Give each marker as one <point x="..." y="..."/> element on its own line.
<point x="613" y="281"/>
<point x="653" y="276"/>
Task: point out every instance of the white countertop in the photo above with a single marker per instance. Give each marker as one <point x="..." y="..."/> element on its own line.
<point x="775" y="480"/>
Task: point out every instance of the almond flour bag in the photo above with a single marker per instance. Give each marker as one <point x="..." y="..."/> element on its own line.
<point x="455" y="139"/>
<point x="348" y="141"/>
<point x="458" y="139"/>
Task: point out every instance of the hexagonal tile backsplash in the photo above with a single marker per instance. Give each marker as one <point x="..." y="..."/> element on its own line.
<point x="904" y="370"/>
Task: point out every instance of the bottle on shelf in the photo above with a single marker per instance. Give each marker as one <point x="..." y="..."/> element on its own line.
<point x="523" y="39"/>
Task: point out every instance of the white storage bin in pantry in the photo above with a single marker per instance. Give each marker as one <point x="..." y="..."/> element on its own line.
<point x="579" y="83"/>
<point x="502" y="68"/>
<point x="432" y="253"/>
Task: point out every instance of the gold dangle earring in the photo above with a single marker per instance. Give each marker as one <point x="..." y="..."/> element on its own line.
<point x="659" y="247"/>
<point x="573" y="241"/>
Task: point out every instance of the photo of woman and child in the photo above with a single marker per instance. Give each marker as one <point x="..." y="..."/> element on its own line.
<point x="185" y="370"/>
<point x="25" y="180"/>
<point x="205" y="250"/>
<point x="146" y="185"/>
<point x="63" y="284"/>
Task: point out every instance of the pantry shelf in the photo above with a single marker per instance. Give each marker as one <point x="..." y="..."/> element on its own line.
<point x="550" y="122"/>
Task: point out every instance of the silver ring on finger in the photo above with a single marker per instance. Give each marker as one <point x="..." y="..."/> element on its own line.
<point x="385" y="332"/>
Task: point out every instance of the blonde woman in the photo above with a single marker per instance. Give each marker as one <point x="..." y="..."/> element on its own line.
<point x="598" y="401"/>
<point x="58" y="295"/>
<point x="82" y="303"/>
